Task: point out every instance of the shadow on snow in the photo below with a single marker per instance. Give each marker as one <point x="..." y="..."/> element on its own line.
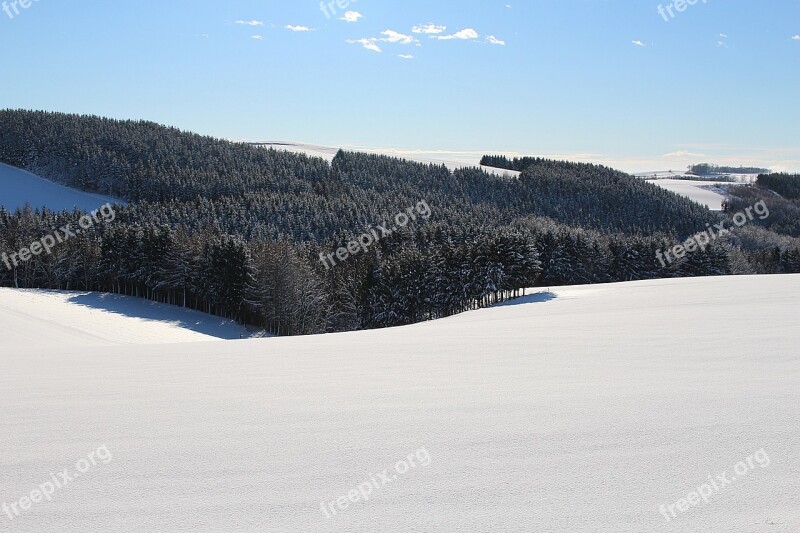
<point x="185" y="318"/>
<point x="539" y="297"/>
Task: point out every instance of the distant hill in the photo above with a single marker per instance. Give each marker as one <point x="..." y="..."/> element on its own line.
<point x="244" y="232"/>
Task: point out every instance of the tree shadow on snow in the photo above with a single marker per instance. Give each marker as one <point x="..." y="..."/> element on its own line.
<point x="184" y="318"/>
<point x="539" y="297"/>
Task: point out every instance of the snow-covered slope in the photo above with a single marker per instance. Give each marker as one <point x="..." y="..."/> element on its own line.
<point x="708" y="193"/>
<point x="582" y="410"/>
<point x="18" y="187"/>
<point x="32" y="319"/>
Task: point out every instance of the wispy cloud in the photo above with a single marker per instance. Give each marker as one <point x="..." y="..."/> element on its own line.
<point x="405" y="56"/>
<point x="494" y="40"/>
<point x="796" y="37"/>
<point x="257" y="37"/>
<point x="351" y="16"/>
<point x="391" y="36"/>
<point x="369" y="44"/>
<point x="683" y="153"/>
<point x="639" y="43"/>
<point x="465" y="35"/>
<point x="429" y="28"/>
<point x="249" y="22"/>
<point x="292" y="27"/>
<point x="388" y="36"/>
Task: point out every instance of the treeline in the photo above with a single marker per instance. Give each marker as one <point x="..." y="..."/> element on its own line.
<point x="707" y="169"/>
<point x="787" y="185"/>
<point x="237" y="231"/>
<point x="517" y="164"/>
<point x="412" y="275"/>
<point x="278" y="285"/>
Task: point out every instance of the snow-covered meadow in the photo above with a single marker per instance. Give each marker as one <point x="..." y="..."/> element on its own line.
<point x="578" y="409"/>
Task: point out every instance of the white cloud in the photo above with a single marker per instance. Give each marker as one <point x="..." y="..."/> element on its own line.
<point x="249" y="22"/>
<point x="723" y="35"/>
<point x="292" y="27"/>
<point x="638" y="43"/>
<point x="464" y="35"/>
<point x="257" y="37"/>
<point x="406" y="56"/>
<point x="369" y="44"/>
<point x="391" y="36"/>
<point x="796" y="37"/>
<point x="428" y="28"/>
<point x="351" y="16"/>
<point x="494" y="40"/>
<point x="683" y="153"/>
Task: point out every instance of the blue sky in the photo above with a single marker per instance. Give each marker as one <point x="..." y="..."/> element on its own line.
<point x="602" y="80"/>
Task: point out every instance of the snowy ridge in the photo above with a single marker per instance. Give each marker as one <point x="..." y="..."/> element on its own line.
<point x="452" y="160"/>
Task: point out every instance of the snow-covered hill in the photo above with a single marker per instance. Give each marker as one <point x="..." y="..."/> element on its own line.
<point x="18" y="187"/>
<point x="583" y="410"/>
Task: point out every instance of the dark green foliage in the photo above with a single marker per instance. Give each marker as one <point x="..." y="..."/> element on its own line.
<point x="707" y="169"/>
<point x="787" y="185"/>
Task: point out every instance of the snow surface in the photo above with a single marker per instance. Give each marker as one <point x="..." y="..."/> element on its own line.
<point x="708" y="193"/>
<point x="33" y="320"/>
<point x="580" y="410"/>
<point x="18" y="187"/>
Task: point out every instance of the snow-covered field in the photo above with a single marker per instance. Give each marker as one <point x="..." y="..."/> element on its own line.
<point x="581" y="410"/>
<point x="708" y="193"/>
<point x="18" y="187"/>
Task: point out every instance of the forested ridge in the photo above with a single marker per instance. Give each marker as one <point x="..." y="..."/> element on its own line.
<point x="237" y="230"/>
